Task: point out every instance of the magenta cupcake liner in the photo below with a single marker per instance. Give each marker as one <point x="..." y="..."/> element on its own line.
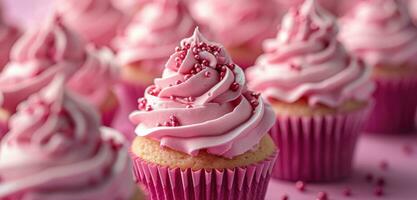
<point x="248" y="182"/>
<point x="395" y="107"/>
<point x="316" y="148"/>
<point x="128" y="95"/>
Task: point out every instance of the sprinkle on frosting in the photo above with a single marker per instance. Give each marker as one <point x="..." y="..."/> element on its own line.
<point x="96" y="20"/>
<point x="305" y="61"/>
<point x="56" y="150"/>
<point x="36" y="58"/>
<point x="153" y="33"/>
<point x="381" y="33"/>
<point x="201" y="103"/>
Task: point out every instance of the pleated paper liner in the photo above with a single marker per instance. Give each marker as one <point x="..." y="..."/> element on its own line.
<point x="395" y="107"/>
<point x="240" y="183"/>
<point x="316" y="148"/>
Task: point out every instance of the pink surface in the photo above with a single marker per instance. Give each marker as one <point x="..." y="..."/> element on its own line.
<point x="398" y="152"/>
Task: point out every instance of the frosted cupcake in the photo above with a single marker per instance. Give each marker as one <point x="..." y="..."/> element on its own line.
<point x="201" y="127"/>
<point x="96" y="20"/>
<point x="143" y="49"/>
<point x="241" y="25"/>
<point x="56" y="149"/>
<point x="382" y="34"/>
<point x="95" y="80"/>
<point x="8" y="36"/>
<point x="319" y="93"/>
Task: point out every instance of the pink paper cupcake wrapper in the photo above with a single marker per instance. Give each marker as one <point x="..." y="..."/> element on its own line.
<point x="316" y="148"/>
<point x="248" y="182"/>
<point x="127" y="94"/>
<point x="395" y="107"/>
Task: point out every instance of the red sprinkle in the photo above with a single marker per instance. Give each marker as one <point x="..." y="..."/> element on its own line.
<point x="148" y="108"/>
<point x="285" y="197"/>
<point x="234" y="86"/>
<point x="369" y="177"/>
<point x="347" y="192"/>
<point x="207" y="74"/>
<point x="380" y="181"/>
<point x="322" y="196"/>
<point x="300" y="185"/>
<point x="383" y="165"/>
<point x="379" y="191"/>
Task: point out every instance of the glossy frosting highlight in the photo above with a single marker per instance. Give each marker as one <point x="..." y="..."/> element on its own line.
<point x="56" y="150"/>
<point x="36" y="58"/>
<point x="200" y="77"/>
<point x="96" y="20"/>
<point x="305" y="61"/>
<point x="380" y="32"/>
<point x="153" y="33"/>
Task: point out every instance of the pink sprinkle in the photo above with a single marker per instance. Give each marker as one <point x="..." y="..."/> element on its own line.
<point x="207" y="74"/>
<point x="148" y="108"/>
<point x="369" y="177"/>
<point x="172" y="97"/>
<point x="300" y="185"/>
<point x="158" y="124"/>
<point x="232" y="66"/>
<point x="197" y="57"/>
<point x="381" y="181"/>
<point x="383" y="165"/>
<point x="234" y="86"/>
<point x="178" y="82"/>
<point x="186" y="77"/>
<point x="189" y="106"/>
<point x="347" y="192"/>
<point x="322" y="196"/>
<point x="408" y="149"/>
<point x="205" y="62"/>
<point x="177" y="49"/>
<point x="379" y="191"/>
<point x="285" y="197"/>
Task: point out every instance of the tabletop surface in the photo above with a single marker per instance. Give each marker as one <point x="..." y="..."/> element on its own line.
<point x="385" y="162"/>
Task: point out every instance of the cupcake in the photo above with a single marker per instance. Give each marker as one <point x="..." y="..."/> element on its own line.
<point x="394" y="61"/>
<point x="319" y="92"/>
<point x="144" y="47"/>
<point x="130" y="7"/>
<point x="241" y="25"/>
<point x="56" y="149"/>
<point x="94" y="81"/>
<point x="8" y="36"/>
<point x="200" y="133"/>
<point x="96" y="20"/>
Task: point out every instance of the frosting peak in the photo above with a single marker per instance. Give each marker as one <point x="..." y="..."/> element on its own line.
<point x="200" y="77"/>
<point x="371" y="22"/>
<point x="55" y="149"/>
<point x="36" y="57"/>
<point x="305" y="60"/>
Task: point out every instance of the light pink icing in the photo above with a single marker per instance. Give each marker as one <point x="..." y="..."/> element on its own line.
<point x="381" y="33"/>
<point x="56" y="150"/>
<point x="35" y="58"/>
<point x="8" y="36"/>
<point x="130" y="6"/>
<point x="238" y="22"/>
<point x="305" y="61"/>
<point x="96" y="20"/>
<point x="201" y="103"/>
<point x="153" y="33"/>
<point x="96" y="77"/>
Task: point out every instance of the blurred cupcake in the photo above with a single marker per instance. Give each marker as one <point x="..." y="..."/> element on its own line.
<point x="143" y="49"/>
<point x="130" y="7"/>
<point x="201" y="127"/>
<point x="319" y="93"/>
<point x="381" y="33"/>
<point x="95" y="79"/>
<point x="8" y="36"/>
<point x="96" y="20"/>
<point x="241" y="25"/>
<point x="56" y="149"/>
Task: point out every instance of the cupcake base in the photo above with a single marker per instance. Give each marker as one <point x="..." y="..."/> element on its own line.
<point x="318" y="147"/>
<point x="395" y="106"/>
<point x="240" y="182"/>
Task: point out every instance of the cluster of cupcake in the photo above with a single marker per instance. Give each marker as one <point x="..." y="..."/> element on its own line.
<point x="204" y="128"/>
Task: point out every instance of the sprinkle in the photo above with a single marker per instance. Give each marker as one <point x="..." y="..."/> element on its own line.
<point x="383" y="165"/>
<point x="369" y="177"/>
<point x="189" y="106"/>
<point x="207" y="74"/>
<point x="178" y="82"/>
<point x="380" y="181"/>
<point x="186" y="77"/>
<point x="408" y="149"/>
<point x="379" y="191"/>
<point x="347" y="192"/>
<point x="285" y="197"/>
<point x="234" y="86"/>
<point x="177" y="49"/>
<point x="172" y="97"/>
<point x="322" y="196"/>
<point x="148" y="108"/>
<point x="300" y="185"/>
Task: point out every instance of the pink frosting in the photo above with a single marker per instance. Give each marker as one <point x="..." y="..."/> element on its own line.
<point x="305" y="61"/>
<point x="153" y="34"/>
<point x="56" y="150"/>
<point x="97" y="20"/>
<point x="129" y="6"/>
<point x="238" y="22"/>
<point x="380" y="32"/>
<point x="201" y="103"/>
<point x="95" y="78"/>
<point x="35" y="58"/>
<point x="413" y="10"/>
<point x="8" y="36"/>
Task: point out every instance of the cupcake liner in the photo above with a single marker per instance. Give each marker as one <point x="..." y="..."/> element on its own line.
<point x="316" y="148"/>
<point x="127" y="94"/>
<point x="395" y="107"/>
<point x="248" y="182"/>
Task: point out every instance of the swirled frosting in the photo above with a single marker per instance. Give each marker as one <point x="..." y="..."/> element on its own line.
<point x="36" y="57"/>
<point x="239" y="22"/>
<point x="305" y="61"/>
<point x="8" y="36"/>
<point x="96" y="20"/>
<point x="95" y="78"/>
<point x="55" y="149"/>
<point x="201" y="103"/>
<point x="153" y="33"/>
<point x="381" y="33"/>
